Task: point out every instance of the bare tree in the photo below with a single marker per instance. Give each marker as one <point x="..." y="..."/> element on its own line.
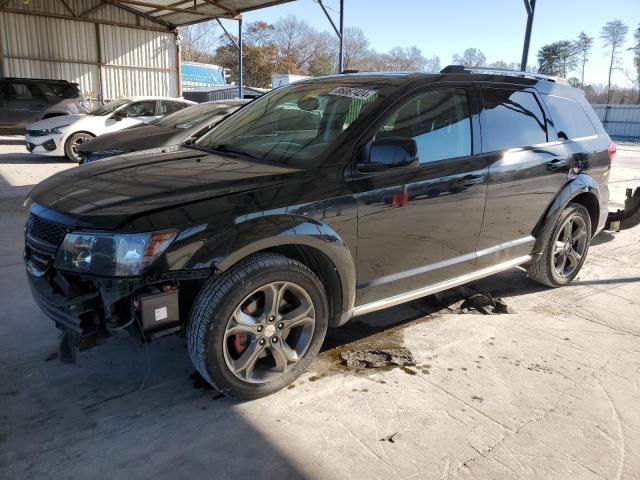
<point x="433" y="65"/>
<point x="356" y="48"/>
<point x="295" y="41"/>
<point x="613" y="35"/>
<point x="471" y="57"/>
<point x="199" y="42"/>
<point x="636" y="61"/>
<point x="582" y="45"/>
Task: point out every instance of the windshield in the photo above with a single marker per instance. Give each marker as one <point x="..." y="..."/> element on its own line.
<point x="192" y="116"/>
<point x="293" y="125"/>
<point x="108" y="108"/>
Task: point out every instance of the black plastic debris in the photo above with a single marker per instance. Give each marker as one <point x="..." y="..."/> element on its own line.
<point x="482" y="303"/>
<point x="390" y="438"/>
<point x="378" y="358"/>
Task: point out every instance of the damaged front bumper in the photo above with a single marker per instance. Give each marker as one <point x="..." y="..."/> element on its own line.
<point x="627" y="218"/>
<point x="90" y="307"/>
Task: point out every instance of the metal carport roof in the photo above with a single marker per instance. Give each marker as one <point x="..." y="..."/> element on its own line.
<point x="186" y="12"/>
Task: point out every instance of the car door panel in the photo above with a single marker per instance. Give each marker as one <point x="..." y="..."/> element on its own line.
<point x="419" y="224"/>
<point x="523" y="177"/>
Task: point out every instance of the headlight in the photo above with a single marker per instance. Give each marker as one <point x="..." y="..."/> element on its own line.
<point x="49" y="131"/>
<point x="116" y="255"/>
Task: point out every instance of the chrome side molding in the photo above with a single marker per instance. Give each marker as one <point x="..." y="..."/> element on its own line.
<point x="438" y="287"/>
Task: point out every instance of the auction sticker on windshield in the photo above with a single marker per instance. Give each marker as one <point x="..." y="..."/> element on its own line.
<point x="361" y="93"/>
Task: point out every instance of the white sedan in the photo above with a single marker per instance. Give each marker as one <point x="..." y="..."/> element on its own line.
<point x="61" y="136"/>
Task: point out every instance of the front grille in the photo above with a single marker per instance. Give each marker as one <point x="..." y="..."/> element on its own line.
<point x="46" y="231"/>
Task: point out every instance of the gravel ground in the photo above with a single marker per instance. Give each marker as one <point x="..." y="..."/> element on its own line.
<point x="549" y="390"/>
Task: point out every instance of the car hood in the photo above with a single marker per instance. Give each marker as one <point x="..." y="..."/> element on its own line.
<point x="135" y="138"/>
<point x="109" y="193"/>
<point x="59" y="121"/>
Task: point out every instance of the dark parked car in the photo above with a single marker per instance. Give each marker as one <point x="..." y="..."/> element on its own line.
<point x="27" y="100"/>
<point x="255" y="239"/>
<point x="184" y="125"/>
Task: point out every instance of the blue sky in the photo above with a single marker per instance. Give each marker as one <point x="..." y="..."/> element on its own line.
<point x="495" y="26"/>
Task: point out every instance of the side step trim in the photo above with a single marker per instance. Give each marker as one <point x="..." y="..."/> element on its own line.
<point x="438" y="287"/>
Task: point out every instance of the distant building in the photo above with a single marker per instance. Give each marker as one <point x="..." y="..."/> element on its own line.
<point x="282" y="79"/>
<point x="220" y="92"/>
<point x="196" y="75"/>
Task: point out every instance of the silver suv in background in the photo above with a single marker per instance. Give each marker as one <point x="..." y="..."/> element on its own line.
<point x="27" y="100"/>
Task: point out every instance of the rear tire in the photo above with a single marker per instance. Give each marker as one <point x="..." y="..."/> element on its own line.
<point x="72" y="144"/>
<point x="234" y="342"/>
<point x="565" y="249"/>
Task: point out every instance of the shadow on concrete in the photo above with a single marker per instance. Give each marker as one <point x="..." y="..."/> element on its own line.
<point x="18" y="140"/>
<point x="29" y="158"/>
<point x="603" y="237"/>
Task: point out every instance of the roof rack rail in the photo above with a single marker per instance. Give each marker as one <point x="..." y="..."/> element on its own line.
<point x="502" y="71"/>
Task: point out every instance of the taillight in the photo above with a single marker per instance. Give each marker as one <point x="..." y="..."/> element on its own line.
<point x="612" y="150"/>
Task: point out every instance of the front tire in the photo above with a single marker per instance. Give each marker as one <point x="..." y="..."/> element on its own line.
<point x="256" y="327"/>
<point x="566" y="248"/>
<point x="73" y="142"/>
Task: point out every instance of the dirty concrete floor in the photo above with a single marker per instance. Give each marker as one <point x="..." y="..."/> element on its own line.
<point x="550" y="391"/>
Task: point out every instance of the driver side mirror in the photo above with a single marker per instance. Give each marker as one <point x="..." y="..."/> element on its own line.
<point x="391" y="152"/>
<point x="118" y="116"/>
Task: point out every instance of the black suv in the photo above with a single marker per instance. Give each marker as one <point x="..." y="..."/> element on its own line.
<point x="316" y="203"/>
<point x="27" y="100"/>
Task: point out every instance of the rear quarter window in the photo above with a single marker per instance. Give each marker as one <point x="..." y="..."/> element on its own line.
<point x="511" y="119"/>
<point x="569" y="119"/>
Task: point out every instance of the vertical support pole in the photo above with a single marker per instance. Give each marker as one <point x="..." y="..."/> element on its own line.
<point x="341" y="49"/>
<point x="530" y="6"/>
<point x="178" y="60"/>
<point x="100" y="65"/>
<point x="240" y="66"/>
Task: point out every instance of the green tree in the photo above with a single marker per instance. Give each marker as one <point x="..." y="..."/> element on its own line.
<point x="557" y="58"/>
<point x="636" y="59"/>
<point x="582" y="45"/>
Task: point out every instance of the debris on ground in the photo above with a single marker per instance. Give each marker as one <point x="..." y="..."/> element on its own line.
<point x="482" y="303"/>
<point x="390" y="438"/>
<point x="378" y="358"/>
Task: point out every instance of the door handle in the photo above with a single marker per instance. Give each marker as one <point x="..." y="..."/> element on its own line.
<point x="556" y="164"/>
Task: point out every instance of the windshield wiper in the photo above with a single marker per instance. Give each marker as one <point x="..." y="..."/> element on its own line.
<point x="223" y="148"/>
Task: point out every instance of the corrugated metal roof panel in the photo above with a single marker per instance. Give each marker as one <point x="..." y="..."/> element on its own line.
<point x="105" y="13"/>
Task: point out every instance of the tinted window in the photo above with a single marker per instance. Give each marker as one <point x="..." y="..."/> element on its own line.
<point x="569" y="118"/>
<point x="170" y="107"/>
<point x="511" y="119"/>
<point x="22" y="91"/>
<point x="63" y="90"/>
<point x="438" y="121"/>
<point x="140" y="109"/>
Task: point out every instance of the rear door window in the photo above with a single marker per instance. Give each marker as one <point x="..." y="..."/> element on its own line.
<point x="20" y="91"/>
<point x="63" y="90"/>
<point x="569" y="119"/>
<point x="141" y="109"/>
<point x="511" y="119"/>
<point x="439" y="122"/>
<point x="167" y="107"/>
